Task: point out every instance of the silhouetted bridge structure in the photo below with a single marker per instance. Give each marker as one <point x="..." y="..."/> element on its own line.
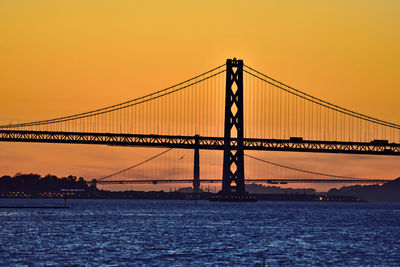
<point x="266" y="181"/>
<point x="210" y="112"/>
<point x="377" y="147"/>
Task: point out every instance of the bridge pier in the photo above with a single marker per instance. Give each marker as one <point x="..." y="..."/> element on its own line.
<point x="196" y="169"/>
<point x="93" y="185"/>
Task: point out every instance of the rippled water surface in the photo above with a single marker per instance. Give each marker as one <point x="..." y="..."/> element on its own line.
<point x="184" y="233"/>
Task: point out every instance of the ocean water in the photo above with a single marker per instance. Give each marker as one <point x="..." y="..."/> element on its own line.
<point x="185" y="233"/>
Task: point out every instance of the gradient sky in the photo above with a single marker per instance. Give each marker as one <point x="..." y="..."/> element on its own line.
<point x="65" y="57"/>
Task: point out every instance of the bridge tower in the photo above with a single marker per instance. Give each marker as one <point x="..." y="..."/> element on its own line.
<point x="233" y="168"/>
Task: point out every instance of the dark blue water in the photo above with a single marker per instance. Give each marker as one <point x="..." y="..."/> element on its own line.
<point x="182" y="233"/>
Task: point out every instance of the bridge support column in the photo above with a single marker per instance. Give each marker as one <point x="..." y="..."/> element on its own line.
<point x="233" y="169"/>
<point x="196" y="169"/>
<point x="93" y="185"/>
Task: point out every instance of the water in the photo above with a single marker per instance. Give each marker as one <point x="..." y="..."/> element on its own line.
<point x="183" y="233"/>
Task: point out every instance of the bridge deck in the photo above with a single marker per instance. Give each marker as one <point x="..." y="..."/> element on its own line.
<point x="268" y="181"/>
<point x="188" y="142"/>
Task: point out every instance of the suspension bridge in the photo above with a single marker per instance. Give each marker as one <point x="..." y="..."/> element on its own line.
<point x="269" y="169"/>
<point x="232" y="108"/>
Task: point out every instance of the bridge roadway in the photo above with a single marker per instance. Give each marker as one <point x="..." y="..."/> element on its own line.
<point x="268" y="181"/>
<point x="377" y="147"/>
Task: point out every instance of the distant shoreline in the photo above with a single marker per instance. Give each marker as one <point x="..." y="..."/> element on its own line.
<point x="34" y="186"/>
<point x="158" y="195"/>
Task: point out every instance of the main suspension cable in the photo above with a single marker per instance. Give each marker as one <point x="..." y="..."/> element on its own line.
<point x="300" y="170"/>
<point x="317" y="100"/>
<point x="136" y="165"/>
<point x="132" y="102"/>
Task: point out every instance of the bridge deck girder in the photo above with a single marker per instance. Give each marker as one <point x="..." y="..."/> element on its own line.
<point x="268" y="181"/>
<point x="189" y="142"/>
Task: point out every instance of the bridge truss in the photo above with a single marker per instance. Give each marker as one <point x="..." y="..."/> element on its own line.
<point x="377" y="147"/>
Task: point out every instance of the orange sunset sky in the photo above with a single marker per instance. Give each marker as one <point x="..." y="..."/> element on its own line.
<point x="64" y="57"/>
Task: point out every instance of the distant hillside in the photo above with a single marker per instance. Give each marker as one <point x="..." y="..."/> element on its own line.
<point x="388" y="192"/>
<point x="34" y="183"/>
<point x="261" y="189"/>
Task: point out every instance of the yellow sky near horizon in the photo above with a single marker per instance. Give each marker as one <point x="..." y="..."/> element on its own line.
<point x="64" y="57"/>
